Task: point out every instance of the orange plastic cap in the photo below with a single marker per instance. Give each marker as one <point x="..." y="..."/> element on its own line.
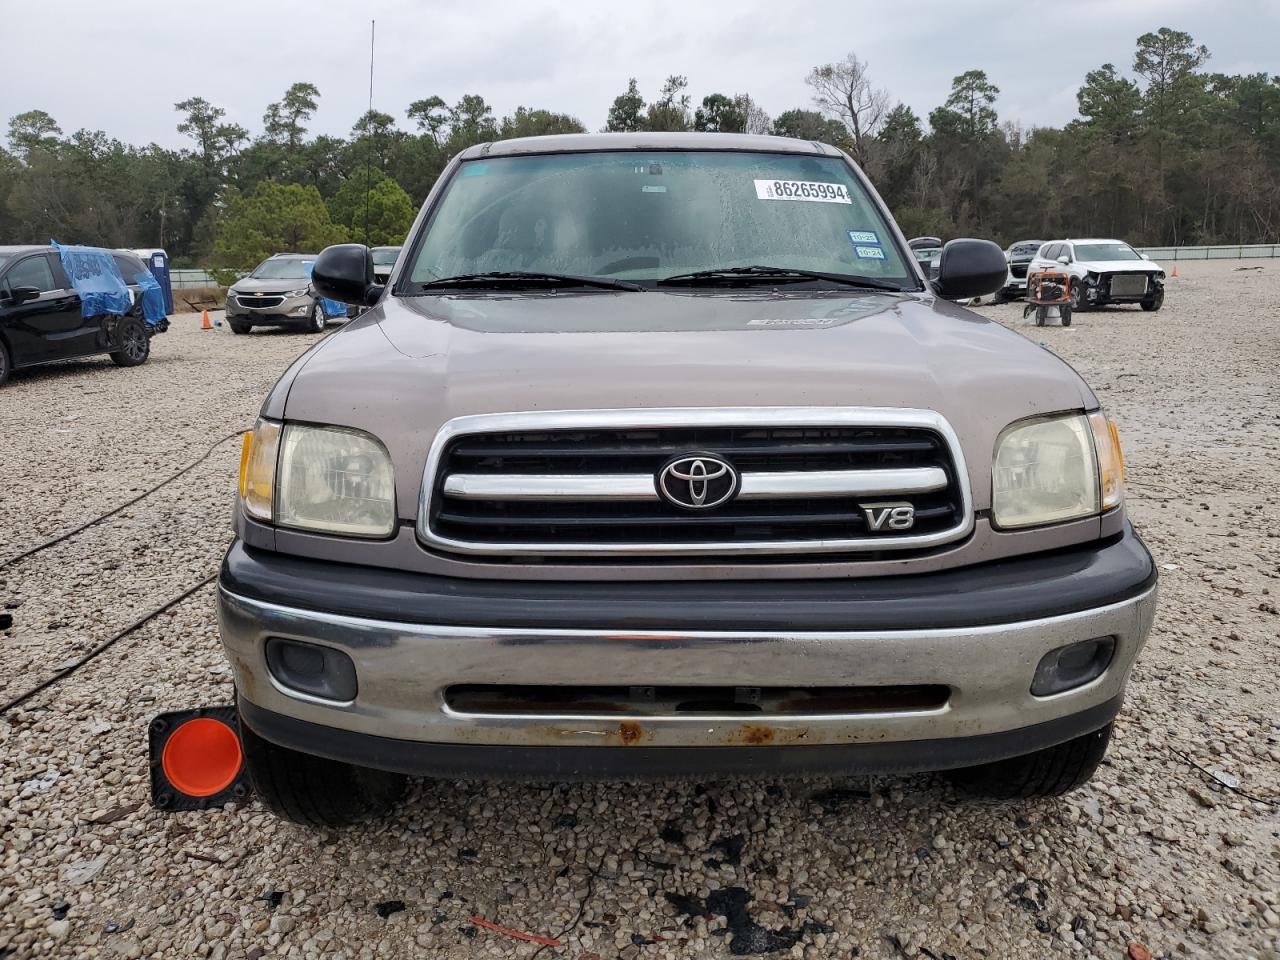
<point x="202" y="757"/>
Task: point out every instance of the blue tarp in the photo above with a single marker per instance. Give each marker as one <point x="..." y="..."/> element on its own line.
<point x="331" y="308"/>
<point x="95" y="276"/>
<point x="152" y="297"/>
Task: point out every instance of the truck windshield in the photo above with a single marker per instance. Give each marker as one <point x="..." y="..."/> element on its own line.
<point x="645" y="216"/>
<point x="283" y="270"/>
<point x="1106" y="251"/>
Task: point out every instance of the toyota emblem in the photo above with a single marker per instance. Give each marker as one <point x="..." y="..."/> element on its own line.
<point x="697" y="481"/>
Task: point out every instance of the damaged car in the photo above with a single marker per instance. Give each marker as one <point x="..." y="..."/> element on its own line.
<point x="62" y="302"/>
<point x="1103" y="272"/>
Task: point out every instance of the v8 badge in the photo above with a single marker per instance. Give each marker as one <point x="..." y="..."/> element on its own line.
<point x="888" y="516"/>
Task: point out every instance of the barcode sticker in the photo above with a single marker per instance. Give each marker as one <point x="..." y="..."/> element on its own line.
<point x="802" y="190"/>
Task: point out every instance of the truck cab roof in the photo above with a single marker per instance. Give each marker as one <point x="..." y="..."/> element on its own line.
<point x="595" y="142"/>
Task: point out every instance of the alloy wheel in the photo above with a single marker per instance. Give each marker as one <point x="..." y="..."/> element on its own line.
<point x="135" y="343"/>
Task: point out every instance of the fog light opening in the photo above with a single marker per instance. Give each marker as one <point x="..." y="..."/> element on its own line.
<point x="312" y="669"/>
<point x="1072" y="666"/>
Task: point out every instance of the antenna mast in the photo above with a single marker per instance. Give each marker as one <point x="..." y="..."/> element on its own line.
<point x="368" y="162"/>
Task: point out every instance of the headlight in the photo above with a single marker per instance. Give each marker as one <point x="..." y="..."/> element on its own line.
<point x="326" y="479"/>
<point x="300" y="292"/>
<point x="1044" y="472"/>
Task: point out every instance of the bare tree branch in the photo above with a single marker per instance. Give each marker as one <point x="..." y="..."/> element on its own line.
<point x="843" y="90"/>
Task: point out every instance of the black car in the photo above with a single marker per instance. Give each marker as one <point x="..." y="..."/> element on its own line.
<point x="41" y="318"/>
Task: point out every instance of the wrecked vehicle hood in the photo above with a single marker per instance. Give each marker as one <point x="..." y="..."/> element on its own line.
<point x="410" y="364"/>
<point x="1118" y="266"/>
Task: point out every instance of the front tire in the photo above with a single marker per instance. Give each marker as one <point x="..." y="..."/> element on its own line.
<point x="1046" y="773"/>
<point x="6" y="364"/>
<point x="315" y="791"/>
<point x="316" y="319"/>
<point x="1079" y="302"/>
<point x="1155" y="302"/>
<point x="239" y="328"/>
<point x="135" y="343"/>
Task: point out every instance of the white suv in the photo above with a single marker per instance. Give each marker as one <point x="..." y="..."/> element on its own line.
<point x="1103" y="272"/>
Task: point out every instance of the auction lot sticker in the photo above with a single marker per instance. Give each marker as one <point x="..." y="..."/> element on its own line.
<point x="802" y="190"/>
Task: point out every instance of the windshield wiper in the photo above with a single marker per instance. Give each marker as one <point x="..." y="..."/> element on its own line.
<point x="761" y="274"/>
<point x="525" y="278"/>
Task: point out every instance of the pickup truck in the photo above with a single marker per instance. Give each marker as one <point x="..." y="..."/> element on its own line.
<point x="658" y="455"/>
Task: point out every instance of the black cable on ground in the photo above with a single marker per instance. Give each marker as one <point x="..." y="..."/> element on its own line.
<point x="124" y="506"/>
<point x="106" y="645"/>
<point x="1214" y="778"/>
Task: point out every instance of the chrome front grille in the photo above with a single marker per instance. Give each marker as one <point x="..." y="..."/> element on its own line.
<point x="586" y="483"/>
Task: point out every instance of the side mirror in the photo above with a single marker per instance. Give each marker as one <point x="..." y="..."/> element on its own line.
<point x="22" y="294"/>
<point x="970" y="268"/>
<point x="1064" y="259"/>
<point x="1144" y="256"/>
<point x="344" y="272"/>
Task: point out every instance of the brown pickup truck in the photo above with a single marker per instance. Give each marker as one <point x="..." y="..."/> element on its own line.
<point x="658" y="455"/>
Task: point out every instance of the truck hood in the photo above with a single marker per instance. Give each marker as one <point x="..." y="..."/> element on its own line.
<point x="410" y="364"/>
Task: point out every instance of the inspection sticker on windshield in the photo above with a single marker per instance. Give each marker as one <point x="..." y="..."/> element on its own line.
<point x="802" y="190"/>
<point x="868" y="253"/>
<point x="864" y="236"/>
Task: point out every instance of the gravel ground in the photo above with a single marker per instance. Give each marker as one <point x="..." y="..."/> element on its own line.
<point x="1153" y="851"/>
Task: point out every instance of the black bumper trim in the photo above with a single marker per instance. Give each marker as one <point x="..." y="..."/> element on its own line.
<point x="1022" y="588"/>
<point x="464" y="760"/>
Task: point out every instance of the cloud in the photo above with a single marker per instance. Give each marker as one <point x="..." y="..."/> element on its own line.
<point x="577" y="56"/>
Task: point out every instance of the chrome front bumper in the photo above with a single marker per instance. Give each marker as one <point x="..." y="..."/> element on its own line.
<point x="403" y="670"/>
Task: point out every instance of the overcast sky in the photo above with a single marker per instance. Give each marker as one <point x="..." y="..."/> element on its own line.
<point x="121" y="70"/>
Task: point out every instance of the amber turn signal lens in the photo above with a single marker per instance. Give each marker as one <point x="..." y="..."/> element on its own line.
<point x="246" y="451"/>
<point x="1106" y="442"/>
<point x="258" y="469"/>
<point x="1115" y="438"/>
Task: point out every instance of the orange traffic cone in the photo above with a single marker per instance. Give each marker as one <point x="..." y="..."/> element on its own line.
<point x="1175" y="271"/>
<point x="204" y="321"/>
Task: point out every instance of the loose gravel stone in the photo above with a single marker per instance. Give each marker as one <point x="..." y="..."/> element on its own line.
<point x="887" y="867"/>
